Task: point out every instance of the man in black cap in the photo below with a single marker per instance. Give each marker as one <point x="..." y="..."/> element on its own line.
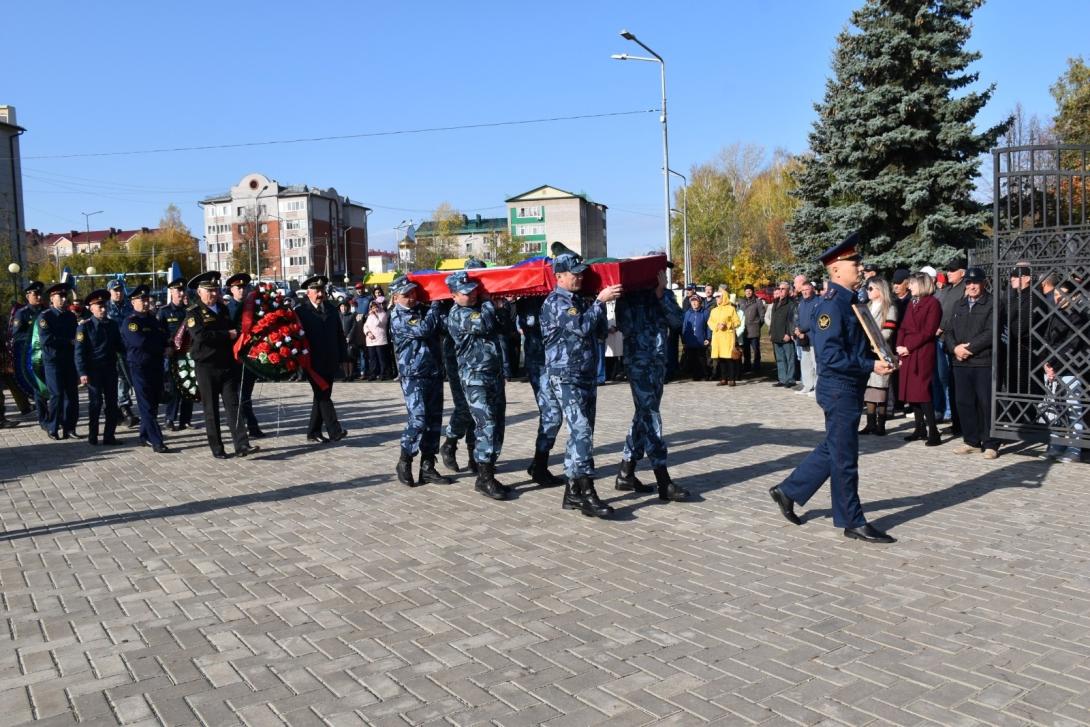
<point x="328" y="350"/>
<point x="949" y="297"/>
<point x="179" y="411"/>
<point x="22" y="329"/>
<point x="238" y="285"/>
<point x="844" y="365"/>
<point x="146" y="344"/>
<point x="98" y="346"/>
<point x="118" y="309"/>
<point x="1017" y="309"/>
<point x="57" y="338"/>
<point x="968" y="336"/>
<point x="212" y="351"/>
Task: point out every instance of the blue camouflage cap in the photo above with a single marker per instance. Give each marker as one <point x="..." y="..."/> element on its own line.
<point x="569" y="262"/>
<point x="472" y="263"/>
<point x="460" y="282"/>
<point x="115" y="284"/>
<point x="402" y="285"/>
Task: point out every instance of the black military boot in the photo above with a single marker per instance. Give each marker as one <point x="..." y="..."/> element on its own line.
<point x="592" y="506"/>
<point x="405" y="469"/>
<point x="446" y="451"/>
<point x="626" y="479"/>
<point x="668" y="491"/>
<point x="880" y="424"/>
<point x="539" y="471"/>
<point x="487" y="485"/>
<point x="428" y="473"/>
<point x="573" y="498"/>
<point x="471" y="444"/>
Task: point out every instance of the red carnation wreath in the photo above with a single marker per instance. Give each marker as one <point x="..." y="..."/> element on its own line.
<point x="273" y="344"/>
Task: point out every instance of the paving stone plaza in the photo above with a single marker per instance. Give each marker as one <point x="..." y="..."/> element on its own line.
<point x="305" y="586"/>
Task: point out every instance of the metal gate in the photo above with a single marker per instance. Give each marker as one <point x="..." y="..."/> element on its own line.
<point x="1039" y="258"/>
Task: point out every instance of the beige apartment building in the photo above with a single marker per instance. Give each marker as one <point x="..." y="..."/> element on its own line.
<point x="548" y="214"/>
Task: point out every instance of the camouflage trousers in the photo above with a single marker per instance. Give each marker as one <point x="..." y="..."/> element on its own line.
<point x="578" y="402"/>
<point x="461" y="420"/>
<point x="548" y="424"/>
<point x="488" y="406"/>
<point x="424" y="401"/>
<point x="645" y="435"/>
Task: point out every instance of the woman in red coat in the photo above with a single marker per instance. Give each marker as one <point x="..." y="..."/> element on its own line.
<point x="916" y="347"/>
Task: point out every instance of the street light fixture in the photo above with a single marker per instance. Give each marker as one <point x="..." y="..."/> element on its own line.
<point x="257" y="233"/>
<point x="14" y="269"/>
<point x="346" y="277"/>
<point x="687" y="262"/>
<point x="656" y="58"/>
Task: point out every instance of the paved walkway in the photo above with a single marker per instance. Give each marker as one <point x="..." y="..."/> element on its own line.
<point x="306" y="587"/>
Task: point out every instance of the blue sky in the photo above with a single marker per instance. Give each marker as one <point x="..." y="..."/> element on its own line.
<point x="119" y="76"/>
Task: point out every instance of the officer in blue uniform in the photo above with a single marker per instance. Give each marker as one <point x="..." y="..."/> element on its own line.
<point x="238" y="285"/>
<point x="647" y="318"/>
<point x="57" y="336"/>
<point x="844" y="363"/>
<point x="571" y="327"/>
<point x="146" y="344"/>
<point x="179" y="411"/>
<point x="460" y="423"/>
<point x="415" y="331"/>
<point x="98" y="346"/>
<point x="474" y="328"/>
<point x="118" y="310"/>
<point x="22" y="328"/>
<point x="528" y="316"/>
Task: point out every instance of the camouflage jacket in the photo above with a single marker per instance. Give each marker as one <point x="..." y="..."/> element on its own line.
<point x="416" y="340"/>
<point x="646" y="321"/>
<point x="476" y="333"/>
<point x="528" y="311"/>
<point x="571" y="327"/>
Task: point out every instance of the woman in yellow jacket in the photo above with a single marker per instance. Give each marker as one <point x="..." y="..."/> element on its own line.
<point x="723" y="321"/>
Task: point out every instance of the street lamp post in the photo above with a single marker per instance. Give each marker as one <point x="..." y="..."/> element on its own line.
<point x="257" y="238"/>
<point x="14" y="270"/>
<point x="87" y="227"/>
<point x="687" y="262"/>
<point x="346" y="277"/>
<point x="656" y="58"/>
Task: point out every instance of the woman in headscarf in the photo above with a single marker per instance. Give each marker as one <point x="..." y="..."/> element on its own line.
<point x="722" y="322"/>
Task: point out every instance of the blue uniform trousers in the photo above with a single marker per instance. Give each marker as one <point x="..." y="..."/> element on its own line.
<point x="102" y="389"/>
<point x="63" y="385"/>
<point x="461" y="419"/>
<point x="488" y="407"/>
<point x="147" y="385"/>
<point x="424" y="402"/>
<point x="578" y="401"/>
<point x="246" y="398"/>
<point x="645" y="378"/>
<point x="548" y="406"/>
<point x="837" y="457"/>
<point x="41" y="403"/>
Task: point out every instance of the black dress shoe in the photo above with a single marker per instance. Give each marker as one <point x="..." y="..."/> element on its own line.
<point x="246" y="451"/>
<point x="160" y="448"/>
<point x="787" y="505"/>
<point x="93" y="441"/>
<point x="256" y="434"/>
<point x="111" y="440"/>
<point x="868" y="533"/>
<point x="56" y="437"/>
<point x="221" y="455"/>
<point x="339" y="435"/>
<point x="317" y="438"/>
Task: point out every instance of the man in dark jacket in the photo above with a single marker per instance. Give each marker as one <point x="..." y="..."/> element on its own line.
<point x="1018" y="366"/>
<point x="780" y="330"/>
<point x="752" y="311"/>
<point x="179" y="409"/>
<point x="213" y="335"/>
<point x="328" y="350"/>
<point x="146" y="344"/>
<point x="948" y="296"/>
<point x="238" y="285"/>
<point x="98" y="345"/>
<point x="967" y="333"/>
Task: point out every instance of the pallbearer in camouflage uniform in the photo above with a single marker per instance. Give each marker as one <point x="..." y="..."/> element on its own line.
<point x="146" y="344"/>
<point x="572" y="327"/>
<point x="22" y="329"/>
<point x="98" y="346"/>
<point x="461" y="420"/>
<point x="528" y="312"/>
<point x="179" y="413"/>
<point x="475" y="330"/>
<point x="646" y="318"/>
<point x="415" y="329"/>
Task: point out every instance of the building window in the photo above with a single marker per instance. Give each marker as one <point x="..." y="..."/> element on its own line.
<point x="297" y="260"/>
<point x="295" y="205"/>
<point x="240" y="212"/>
<point x="527" y="230"/>
<point x="264" y="228"/>
<point x="293" y="225"/>
<point x="531" y="247"/>
<point x="530" y="212"/>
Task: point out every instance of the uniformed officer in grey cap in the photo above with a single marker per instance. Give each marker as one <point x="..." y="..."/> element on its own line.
<point x="475" y="331"/>
<point x="572" y="326"/>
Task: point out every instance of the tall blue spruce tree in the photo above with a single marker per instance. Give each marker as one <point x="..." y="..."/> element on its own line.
<point x="894" y="151"/>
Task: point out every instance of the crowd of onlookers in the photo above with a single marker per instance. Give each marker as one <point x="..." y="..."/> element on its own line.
<point x="939" y="327"/>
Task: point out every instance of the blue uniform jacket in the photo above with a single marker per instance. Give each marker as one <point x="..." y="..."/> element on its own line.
<point x="843" y="353"/>
<point x="646" y="321"/>
<point x="475" y="332"/>
<point x="98" y="343"/>
<point x="571" y="327"/>
<point x="145" y="340"/>
<point x="528" y="319"/>
<point x="171" y="316"/>
<point x="416" y="340"/>
<point x="22" y="325"/>
<point x="57" y="336"/>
